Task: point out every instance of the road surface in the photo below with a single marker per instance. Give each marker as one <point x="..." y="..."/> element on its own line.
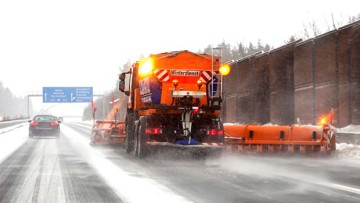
<point x="70" y="170"/>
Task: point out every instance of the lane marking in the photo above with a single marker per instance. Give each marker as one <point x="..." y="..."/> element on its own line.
<point x="345" y="188"/>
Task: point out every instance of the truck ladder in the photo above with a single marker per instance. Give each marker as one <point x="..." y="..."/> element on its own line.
<point x="216" y="86"/>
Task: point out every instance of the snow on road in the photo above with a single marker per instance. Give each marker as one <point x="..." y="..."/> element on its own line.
<point x="11" y="138"/>
<point x="305" y="172"/>
<point x="129" y="188"/>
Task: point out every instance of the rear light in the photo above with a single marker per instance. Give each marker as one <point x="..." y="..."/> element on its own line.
<point x="213" y="132"/>
<point x="34" y="123"/>
<point x="153" y="131"/>
<point x="156" y="131"/>
<point x="54" y="124"/>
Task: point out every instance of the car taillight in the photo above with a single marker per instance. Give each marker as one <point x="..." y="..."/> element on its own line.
<point x="153" y="131"/>
<point x="34" y="123"/>
<point x="54" y="124"/>
<point x="156" y="131"/>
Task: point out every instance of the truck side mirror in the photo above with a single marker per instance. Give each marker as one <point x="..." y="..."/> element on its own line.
<point x="122" y="77"/>
<point x="122" y="88"/>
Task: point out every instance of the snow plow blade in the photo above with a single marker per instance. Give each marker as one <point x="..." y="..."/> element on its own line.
<point x="108" y="132"/>
<point x="301" y="139"/>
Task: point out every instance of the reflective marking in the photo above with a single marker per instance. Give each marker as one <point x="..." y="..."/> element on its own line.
<point x="166" y="79"/>
<point x="345" y="188"/>
<point x="207" y="74"/>
<point x="162" y="74"/>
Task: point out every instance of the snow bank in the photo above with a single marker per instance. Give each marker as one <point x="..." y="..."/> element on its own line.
<point x="345" y="150"/>
<point x="7" y="129"/>
<point x="5" y="124"/>
<point x="270" y="124"/>
<point x="267" y="124"/>
<point x="350" y="129"/>
<point x="233" y="124"/>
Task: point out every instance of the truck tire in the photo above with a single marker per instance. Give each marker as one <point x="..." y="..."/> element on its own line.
<point x="141" y="147"/>
<point x="136" y="139"/>
<point x="333" y="143"/>
<point x="129" y="139"/>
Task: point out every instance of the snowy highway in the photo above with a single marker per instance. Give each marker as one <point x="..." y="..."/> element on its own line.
<point x="68" y="169"/>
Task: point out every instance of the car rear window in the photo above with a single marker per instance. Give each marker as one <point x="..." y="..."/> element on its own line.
<point x="44" y="118"/>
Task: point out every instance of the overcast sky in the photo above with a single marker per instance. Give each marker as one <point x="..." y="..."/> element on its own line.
<point x="84" y="42"/>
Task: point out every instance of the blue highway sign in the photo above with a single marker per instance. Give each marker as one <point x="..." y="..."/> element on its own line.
<point x="67" y="94"/>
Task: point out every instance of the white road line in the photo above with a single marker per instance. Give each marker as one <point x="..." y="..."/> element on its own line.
<point x="345" y="188"/>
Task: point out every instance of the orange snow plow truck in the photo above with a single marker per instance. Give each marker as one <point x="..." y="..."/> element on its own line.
<point x="174" y="100"/>
<point x="108" y="131"/>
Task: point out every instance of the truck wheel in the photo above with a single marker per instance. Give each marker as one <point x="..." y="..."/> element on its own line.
<point x="136" y="139"/>
<point x="142" y="148"/>
<point x="128" y="146"/>
<point x="333" y="143"/>
<point x="129" y="139"/>
<point x="92" y="138"/>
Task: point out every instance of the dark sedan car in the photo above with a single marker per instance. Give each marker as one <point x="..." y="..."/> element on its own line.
<point x="44" y="125"/>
